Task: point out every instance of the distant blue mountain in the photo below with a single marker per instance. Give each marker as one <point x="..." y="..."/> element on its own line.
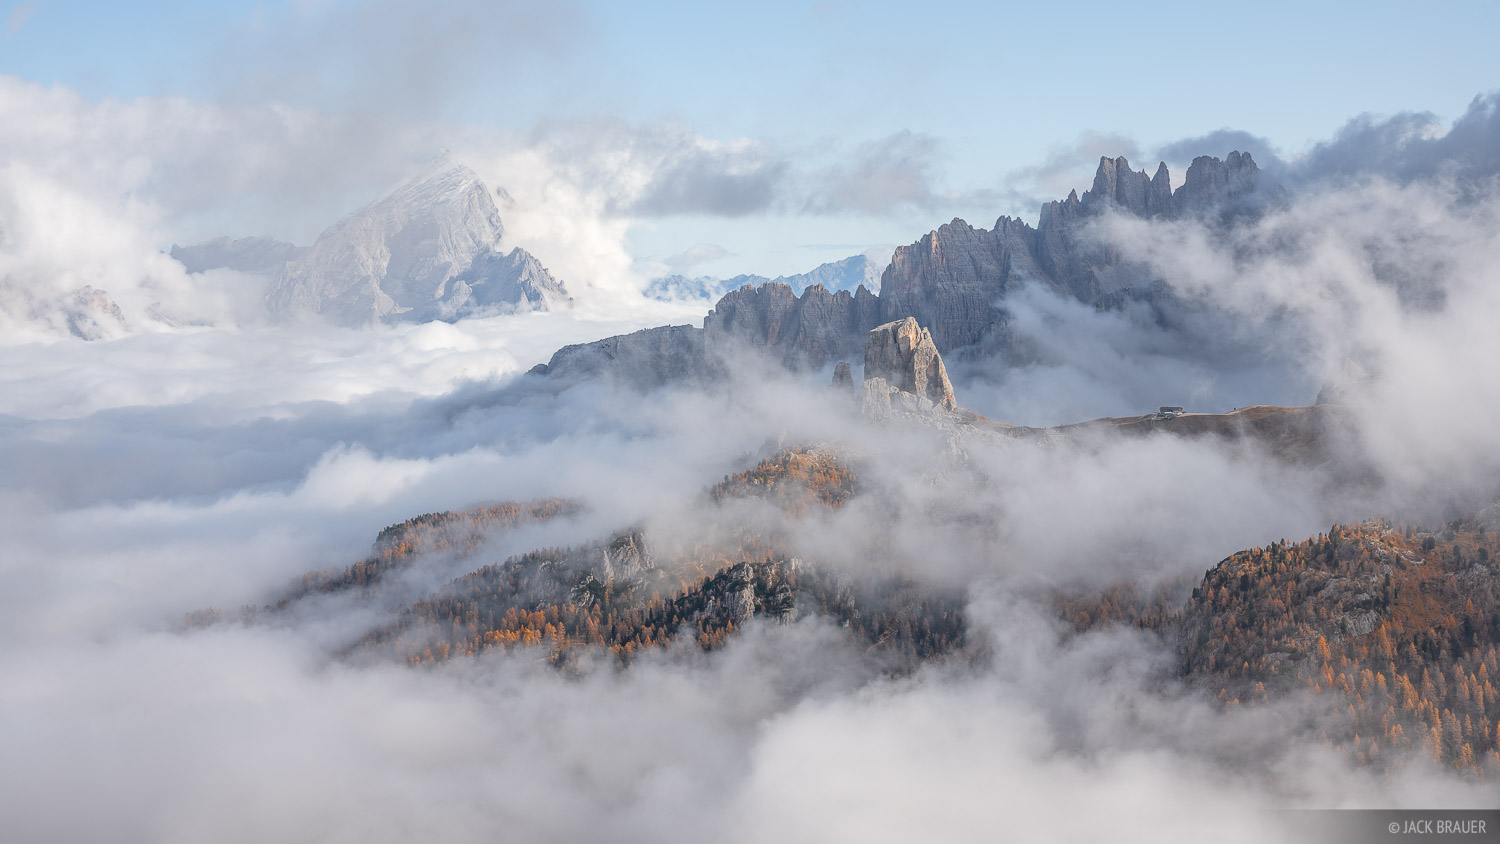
<point x="846" y="274"/>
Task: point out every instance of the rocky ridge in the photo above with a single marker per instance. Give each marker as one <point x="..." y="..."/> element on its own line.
<point x="647" y="358"/>
<point x="955" y="279"/>
<point x="799" y="332"/>
<point x="807" y="331"/>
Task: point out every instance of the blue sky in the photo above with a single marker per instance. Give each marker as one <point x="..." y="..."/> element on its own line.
<point x="985" y="92"/>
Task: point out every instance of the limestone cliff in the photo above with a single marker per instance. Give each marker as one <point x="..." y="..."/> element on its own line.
<point x="799" y="332"/>
<point x="950" y="281"/>
<point x="903" y="355"/>
<point x="1227" y="188"/>
<point x="811" y="330"/>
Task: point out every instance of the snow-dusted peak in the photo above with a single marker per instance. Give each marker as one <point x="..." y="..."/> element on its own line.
<point x="398" y="255"/>
<point x="442" y="181"/>
<point x="443" y="191"/>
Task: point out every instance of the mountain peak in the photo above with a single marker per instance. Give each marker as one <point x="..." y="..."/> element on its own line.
<point x="428" y="248"/>
<point x="1116" y="184"/>
<point x="1222" y="187"/>
<point x="441" y="182"/>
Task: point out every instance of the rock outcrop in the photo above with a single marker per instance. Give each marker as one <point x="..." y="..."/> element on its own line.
<point x="626" y="556"/>
<point x="429" y="249"/>
<point x="736" y="602"/>
<point x="92" y="314"/>
<point x="843" y="377"/>
<point x="903" y="355"/>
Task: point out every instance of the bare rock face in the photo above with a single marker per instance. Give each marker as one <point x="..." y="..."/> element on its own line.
<point x="843" y="377"/>
<point x="1159" y="200"/>
<point x="951" y="280"/>
<point x="647" y="358"/>
<point x="881" y="400"/>
<point x="1116" y="183"/>
<point x="799" y="332"/>
<point x="1058" y="251"/>
<point x="806" y="331"/>
<point x="1218" y="186"/>
<point x="739" y="595"/>
<point x="903" y="355"/>
<point x="626" y="556"/>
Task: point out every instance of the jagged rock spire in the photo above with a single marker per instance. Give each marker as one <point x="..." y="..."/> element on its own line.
<point x="902" y="353"/>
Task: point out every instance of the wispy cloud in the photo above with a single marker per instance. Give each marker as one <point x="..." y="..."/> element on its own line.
<point x="17" y="18"/>
<point x="700" y="253"/>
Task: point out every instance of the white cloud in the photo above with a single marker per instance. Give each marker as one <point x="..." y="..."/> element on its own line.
<point x="698" y="253"/>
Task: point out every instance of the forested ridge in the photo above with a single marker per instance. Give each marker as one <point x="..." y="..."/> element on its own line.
<point x="617" y="596"/>
<point x="1400" y="625"/>
<point x="463" y="532"/>
<point x="794" y="478"/>
<point x="1396" y="626"/>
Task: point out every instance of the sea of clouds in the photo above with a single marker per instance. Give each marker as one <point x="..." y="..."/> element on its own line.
<point x="207" y="463"/>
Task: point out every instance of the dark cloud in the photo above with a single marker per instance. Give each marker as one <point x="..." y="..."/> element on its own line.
<point x="880" y="176"/>
<point x="1219" y="143"/>
<point x="718" y="180"/>
<point x="661" y="171"/>
<point x="1412" y="145"/>
<point x="1403" y="147"/>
